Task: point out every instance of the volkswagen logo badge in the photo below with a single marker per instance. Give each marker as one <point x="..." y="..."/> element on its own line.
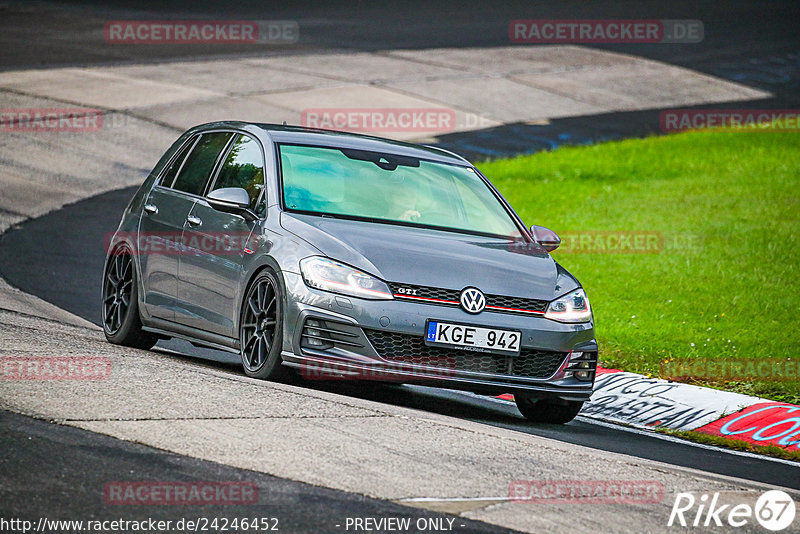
<point x="472" y="300"/>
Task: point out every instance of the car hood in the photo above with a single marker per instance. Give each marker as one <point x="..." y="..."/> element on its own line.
<point x="435" y="258"/>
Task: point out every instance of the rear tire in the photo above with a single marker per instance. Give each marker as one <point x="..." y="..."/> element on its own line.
<point x="120" y="305"/>
<point x="551" y="411"/>
<point x="261" y="329"/>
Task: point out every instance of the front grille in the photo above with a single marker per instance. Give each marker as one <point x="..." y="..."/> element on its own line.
<point x="412" y="350"/>
<point x="404" y="290"/>
<point x="517" y="303"/>
<point x="450" y="297"/>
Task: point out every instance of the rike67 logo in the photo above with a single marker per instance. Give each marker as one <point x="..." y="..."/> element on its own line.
<point x="774" y="510"/>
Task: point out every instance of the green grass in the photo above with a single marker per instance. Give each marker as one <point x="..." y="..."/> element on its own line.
<point x="725" y="284"/>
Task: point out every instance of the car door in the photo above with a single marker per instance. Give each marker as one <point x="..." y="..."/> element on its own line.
<point x="171" y="205"/>
<point x="160" y="229"/>
<point x="210" y="273"/>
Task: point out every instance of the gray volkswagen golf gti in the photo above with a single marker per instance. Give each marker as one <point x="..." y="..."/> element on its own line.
<point x="350" y="257"/>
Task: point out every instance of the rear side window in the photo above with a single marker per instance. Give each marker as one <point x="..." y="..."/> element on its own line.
<point x="243" y="167"/>
<point x="200" y="163"/>
<point x="175" y="166"/>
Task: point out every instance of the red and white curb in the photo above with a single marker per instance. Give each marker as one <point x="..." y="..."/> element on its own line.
<point x="635" y="400"/>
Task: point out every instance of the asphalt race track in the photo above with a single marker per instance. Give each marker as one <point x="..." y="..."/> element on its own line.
<point x="60" y="452"/>
<point x="58" y="257"/>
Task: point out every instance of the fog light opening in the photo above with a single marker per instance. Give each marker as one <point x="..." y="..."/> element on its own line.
<point x="315" y="335"/>
<point x="313" y="341"/>
<point x="583" y="365"/>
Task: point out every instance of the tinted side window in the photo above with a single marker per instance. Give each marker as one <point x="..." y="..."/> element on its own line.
<point x="169" y="175"/>
<point x="243" y="167"/>
<point x="197" y="169"/>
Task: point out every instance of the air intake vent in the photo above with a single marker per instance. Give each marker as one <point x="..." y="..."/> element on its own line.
<point x="323" y="335"/>
<point x="583" y="365"/>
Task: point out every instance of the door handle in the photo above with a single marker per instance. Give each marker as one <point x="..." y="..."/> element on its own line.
<point x="194" y="221"/>
<point x="151" y="208"/>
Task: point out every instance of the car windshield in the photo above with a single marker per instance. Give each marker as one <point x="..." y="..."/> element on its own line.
<point x="391" y="189"/>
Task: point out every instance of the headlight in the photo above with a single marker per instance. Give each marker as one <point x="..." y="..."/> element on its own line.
<point x="571" y="308"/>
<point x="330" y="275"/>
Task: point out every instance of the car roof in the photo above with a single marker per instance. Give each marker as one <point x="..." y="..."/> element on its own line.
<point x="331" y="138"/>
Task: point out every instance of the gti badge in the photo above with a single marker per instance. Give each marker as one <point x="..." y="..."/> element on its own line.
<point x="472" y="300"/>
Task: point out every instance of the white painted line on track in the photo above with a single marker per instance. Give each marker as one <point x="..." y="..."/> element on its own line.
<point x="667" y="437"/>
<point x="453" y="499"/>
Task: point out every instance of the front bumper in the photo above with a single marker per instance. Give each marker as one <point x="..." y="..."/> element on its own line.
<point x="349" y="329"/>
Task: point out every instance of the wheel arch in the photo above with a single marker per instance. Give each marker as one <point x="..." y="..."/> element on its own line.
<point x="117" y="241"/>
<point x="268" y="263"/>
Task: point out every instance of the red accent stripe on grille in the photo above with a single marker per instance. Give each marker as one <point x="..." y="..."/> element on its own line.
<point x="425" y="298"/>
<point x="397" y="295"/>
<point x="515" y="310"/>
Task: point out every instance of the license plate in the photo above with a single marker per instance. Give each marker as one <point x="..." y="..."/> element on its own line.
<point x="475" y="338"/>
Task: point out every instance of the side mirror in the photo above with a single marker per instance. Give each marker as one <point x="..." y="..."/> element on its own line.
<point x="231" y="200"/>
<point x="546" y="237"/>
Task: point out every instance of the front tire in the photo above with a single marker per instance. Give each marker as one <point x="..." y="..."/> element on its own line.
<point x="551" y="411"/>
<point x="120" y="306"/>
<point x="261" y="329"/>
